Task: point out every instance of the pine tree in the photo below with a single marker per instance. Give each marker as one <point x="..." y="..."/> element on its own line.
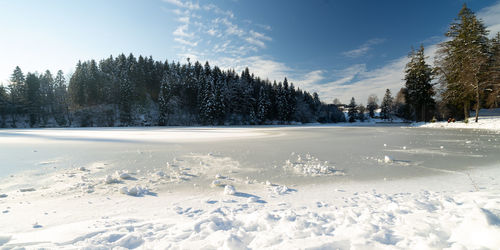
<point x="33" y="96"/>
<point x="361" y="113"/>
<point x="46" y="95"/>
<point x="352" y="112"/>
<point x="126" y="100"/>
<point x="461" y="61"/>
<point x="263" y="106"/>
<point x="400" y="106"/>
<point x="77" y="87"/>
<point x="372" y="105"/>
<point x="386" y="107"/>
<point x="163" y="100"/>
<point x="493" y="76"/>
<point x="418" y="83"/>
<point x="4" y="106"/>
<point x="18" y="95"/>
<point x="60" y="110"/>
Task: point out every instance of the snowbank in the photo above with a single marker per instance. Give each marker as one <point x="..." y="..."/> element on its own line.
<point x="488" y="119"/>
<point x="453" y="211"/>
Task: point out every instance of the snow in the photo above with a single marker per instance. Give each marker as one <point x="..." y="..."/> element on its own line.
<point x="488" y="119"/>
<point x="229" y="190"/>
<point x="310" y="165"/>
<point x="334" y="191"/>
<point x="388" y="159"/>
<point x="402" y="214"/>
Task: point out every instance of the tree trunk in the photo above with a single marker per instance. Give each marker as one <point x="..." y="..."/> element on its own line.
<point x="477" y="103"/>
<point x="423" y="114"/>
<point x="466" y="109"/>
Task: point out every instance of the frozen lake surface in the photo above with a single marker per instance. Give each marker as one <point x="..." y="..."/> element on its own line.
<point x="274" y="153"/>
<point x="376" y="187"/>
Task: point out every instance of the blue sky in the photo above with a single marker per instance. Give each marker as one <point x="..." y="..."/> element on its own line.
<point x="337" y="48"/>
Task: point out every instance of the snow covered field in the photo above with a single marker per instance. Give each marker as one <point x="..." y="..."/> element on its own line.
<point x="313" y="187"/>
<point x="488" y="119"/>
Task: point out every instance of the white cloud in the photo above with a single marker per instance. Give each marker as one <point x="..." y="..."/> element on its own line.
<point x="181" y="31"/>
<point x="227" y="36"/>
<point x="259" y="36"/>
<point x="264" y="67"/>
<point x="363" y="49"/>
<point x="217" y="10"/>
<point x="256" y="42"/>
<point x="491" y="17"/>
<point x="184" y="4"/>
<point x="186" y="42"/>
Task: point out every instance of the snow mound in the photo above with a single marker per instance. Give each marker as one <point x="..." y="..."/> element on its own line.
<point x="123" y="175"/>
<point x="217" y="183"/>
<point x="479" y="229"/>
<point x="388" y="159"/>
<point x="310" y="166"/>
<point x="229" y="190"/>
<point x="280" y="190"/>
<point x="135" y="191"/>
<point x="110" y="180"/>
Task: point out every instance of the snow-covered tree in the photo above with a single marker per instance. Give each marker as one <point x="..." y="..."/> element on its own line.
<point x="461" y="61"/>
<point x="352" y="112"/>
<point x="386" y="106"/>
<point x="418" y="83"/>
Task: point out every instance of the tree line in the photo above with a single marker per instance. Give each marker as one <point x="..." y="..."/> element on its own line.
<point x="466" y="74"/>
<point x="130" y="91"/>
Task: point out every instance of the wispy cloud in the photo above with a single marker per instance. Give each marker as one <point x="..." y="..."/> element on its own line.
<point x="491" y="17"/>
<point x="185" y="42"/>
<point x="239" y="43"/>
<point x="225" y="34"/>
<point x="363" y="49"/>
<point x="184" y="4"/>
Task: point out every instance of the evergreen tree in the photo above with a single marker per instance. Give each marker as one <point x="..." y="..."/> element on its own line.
<point x="352" y="113"/>
<point x="126" y="101"/>
<point x="18" y="94"/>
<point x="493" y="76"/>
<point x="264" y="103"/>
<point x="361" y="113"/>
<point x="33" y="96"/>
<point x="163" y="100"/>
<point x="386" y="106"/>
<point x="418" y="83"/>
<point x="461" y="61"/>
<point x="184" y="94"/>
<point x="4" y="106"/>
<point x="400" y="106"/>
<point x="281" y="103"/>
<point x="76" y="86"/>
<point x="46" y="95"/>
<point x="372" y="105"/>
<point x="60" y="111"/>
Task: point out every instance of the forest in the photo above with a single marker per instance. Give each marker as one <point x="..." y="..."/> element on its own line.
<point x="130" y="91"/>
<point x="139" y="91"/>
